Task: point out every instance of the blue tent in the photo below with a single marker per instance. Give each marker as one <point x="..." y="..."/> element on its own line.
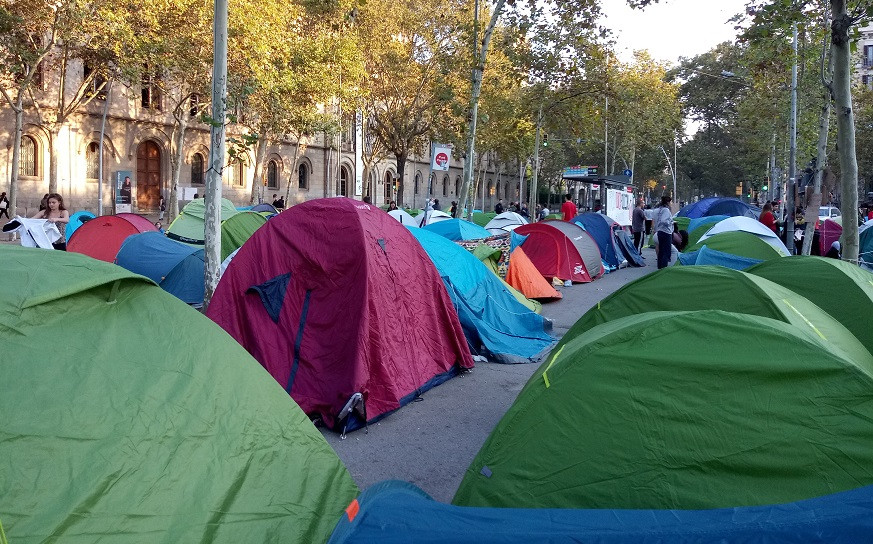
<point x="77" y="220"/>
<point x="730" y="207"/>
<point x="599" y="226"/>
<point x="176" y="267"/>
<point x="706" y="220"/>
<point x="707" y="256"/>
<point x="458" y="229"/>
<point x="627" y="248"/>
<point x="495" y="323"/>
<point x="399" y="512"/>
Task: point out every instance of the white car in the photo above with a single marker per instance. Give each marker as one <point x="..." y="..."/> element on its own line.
<point x="828" y="212"/>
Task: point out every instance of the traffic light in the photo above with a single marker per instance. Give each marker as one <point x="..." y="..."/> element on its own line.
<point x="764" y="188"/>
<point x="545" y="140"/>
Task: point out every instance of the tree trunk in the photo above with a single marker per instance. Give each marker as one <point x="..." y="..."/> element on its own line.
<point x="824" y="122"/>
<point x="16" y="154"/>
<point x="54" y="159"/>
<point x="177" y="159"/>
<point x="845" y="127"/>
<point x="257" y="181"/>
<point x="294" y="174"/>
<point x="401" y="171"/>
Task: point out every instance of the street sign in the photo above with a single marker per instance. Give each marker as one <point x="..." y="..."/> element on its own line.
<point x="628" y="172"/>
<point x="442" y="154"/>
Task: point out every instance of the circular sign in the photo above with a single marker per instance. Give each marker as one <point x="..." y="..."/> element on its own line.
<point x="441" y="159"/>
<point x="627" y="173"/>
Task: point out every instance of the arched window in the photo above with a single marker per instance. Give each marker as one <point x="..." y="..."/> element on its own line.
<point x="27" y="162"/>
<point x="418" y="183"/>
<point x="389" y="186"/>
<point x="445" y="185"/>
<point x="237" y="174"/>
<point x="197" y="169"/>
<point x="273" y="175"/>
<point x="92" y="157"/>
<point x="458" y="186"/>
<point x="343" y="183"/>
<point x="303" y="176"/>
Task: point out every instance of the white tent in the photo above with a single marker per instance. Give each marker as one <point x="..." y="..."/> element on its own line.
<point x="432" y="216"/>
<point x="505" y="222"/>
<point x="404" y="218"/>
<point x="747" y="224"/>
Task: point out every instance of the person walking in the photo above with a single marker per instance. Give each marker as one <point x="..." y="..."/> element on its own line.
<point x="638" y="225"/>
<point x="4" y="205"/>
<point x="56" y="213"/>
<point x="664" y="229"/>
<point x="568" y="209"/>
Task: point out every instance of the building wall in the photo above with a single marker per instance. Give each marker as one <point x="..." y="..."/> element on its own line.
<point x="129" y="125"/>
<point x="864" y="67"/>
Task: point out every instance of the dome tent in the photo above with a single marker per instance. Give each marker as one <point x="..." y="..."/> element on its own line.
<point x="457" y="229"/>
<point x="746" y="224"/>
<point x="145" y="429"/>
<point x="176" y="267"/>
<point x="101" y="237"/>
<point x="404" y="217"/>
<point x="77" y="220"/>
<point x="352" y="326"/>
<point x="667" y="410"/>
<point x="189" y="226"/>
<point x="556" y="253"/>
<point x="505" y="222"/>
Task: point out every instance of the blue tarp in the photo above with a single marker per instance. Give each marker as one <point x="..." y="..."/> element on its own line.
<point x="458" y="229"/>
<point x="495" y="323"/>
<point x="395" y="512"/>
<point x="599" y="227"/>
<point x="707" y="256"/>
<point x="730" y="207"/>
<point x="176" y="267"/>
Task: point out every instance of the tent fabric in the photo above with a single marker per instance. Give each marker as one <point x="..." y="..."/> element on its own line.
<point x="490" y="257"/>
<point x="238" y="228"/>
<point x="739" y="243"/>
<point x="829" y="232"/>
<point x="585" y="245"/>
<point x="178" y="268"/>
<point x="147" y="423"/>
<point x="264" y="207"/>
<point x="101" y="237"/>
<point x="395" y="511"/>
<point x="698" y="227"/>
<point x="483" y="219"/>
<point x="189" y="226"/>
<point x="746" y="224"/>
<point x="599" y="226"/>
<point x="628" y="250"/>
<point x="668" y="410"/>
<point x="553" y="253"/>
<point x="717" y="206"/>
<point x="865" y="248"/>
<point x="505" y="222"/>
<point x="525" y="277"/>
<point x="404" y="217"/>
<point x="717" y="288"/>
<point x="501" y="242"/>
<point x="431" y="217"/>
<point x="365" y="313"/>
<point x="707" y="256"/>
<point x="840" y="288"/>
<point x="77" y="220"/>
<point x="457" y="229"/>
<point x="496" y="325"/>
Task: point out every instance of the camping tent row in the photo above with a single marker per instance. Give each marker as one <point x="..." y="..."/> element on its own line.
<point x="175" y="261"/>
<point x="734" y="242"/>
<point x="331" y="317"/>
<point x="690" y="401"/>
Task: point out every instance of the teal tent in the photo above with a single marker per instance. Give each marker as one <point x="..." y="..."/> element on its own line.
<point x="495" y="323"/>
<point x="458" y="229"/>
<point x="682" y="410"/>
<point x="130" y="417"/>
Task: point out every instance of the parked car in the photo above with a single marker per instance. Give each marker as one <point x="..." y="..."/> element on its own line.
<point x="828" y="212"/>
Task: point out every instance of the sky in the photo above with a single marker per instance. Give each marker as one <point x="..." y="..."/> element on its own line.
<point x="671" y="28"/>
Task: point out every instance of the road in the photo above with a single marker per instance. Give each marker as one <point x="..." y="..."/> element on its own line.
<point x="432" y="442"/>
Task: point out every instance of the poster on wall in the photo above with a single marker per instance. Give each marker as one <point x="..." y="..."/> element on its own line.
<point x="123" y="191"/>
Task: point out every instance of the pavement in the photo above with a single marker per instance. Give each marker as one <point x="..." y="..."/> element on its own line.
<point x="431" y="442"/>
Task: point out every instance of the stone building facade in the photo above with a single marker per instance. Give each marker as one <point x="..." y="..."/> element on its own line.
<point x="138" y="140"/>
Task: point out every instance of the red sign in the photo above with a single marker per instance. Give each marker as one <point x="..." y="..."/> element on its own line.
<point x="441" y="159"/>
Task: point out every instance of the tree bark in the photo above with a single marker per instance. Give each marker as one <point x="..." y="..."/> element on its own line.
<point x="177" y="159"/>
<point x="54" y="159"/>
<point x="16" y="154"/>
<point x="257" y="181"/>
<point x="845" y="127"/>
<point x="401" y="171"/>
<point x="294" y="174"/>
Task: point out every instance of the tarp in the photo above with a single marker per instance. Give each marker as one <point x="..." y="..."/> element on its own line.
<point x="76" y="221"/>
<point x="599" y="226"/>
<point x="457" y="229"/>
<point x="739" y="243"/>
<point x="687" y="410"/>
<point x="142" y="421"/>
<point x="842" y="289"/>
<point x="336" y="318"/>
<point x="496" y="325"/>
<point x="176" y="267"/>
<point x="525" y="277"/>
<point x="238" y="228"/>
<point x="189" y="226"/>
<point x="403" y="217"/>
<point x="502" y="243"/>
<point x="553" y="253"/>
<point x="101" y="237"/>
<point x="505" y="222"/>
<point x="746" y="224"/>
<point x="400" y="512"/>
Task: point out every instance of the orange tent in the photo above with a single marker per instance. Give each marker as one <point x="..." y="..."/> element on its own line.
<point x="524" y="276"/>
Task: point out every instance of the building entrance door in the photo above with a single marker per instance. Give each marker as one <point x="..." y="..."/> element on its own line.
<point x="148" y="176"/>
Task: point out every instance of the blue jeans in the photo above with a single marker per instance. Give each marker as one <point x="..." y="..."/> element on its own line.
<point x="665" y="248"/>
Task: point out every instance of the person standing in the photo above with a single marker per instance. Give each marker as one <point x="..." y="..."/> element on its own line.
<point x="436" y="205"/>
<point x="162" y="208"/>
<point x="767" y="218"/>
<point x="498" y="208"/>
<point x="56" y="213"/>
<point x="638" y="225"/>
<point x="568" y="209"/>
<point x="664" y="229"/>
<point x="4" y="205"/>
<point x="453" y="211"/>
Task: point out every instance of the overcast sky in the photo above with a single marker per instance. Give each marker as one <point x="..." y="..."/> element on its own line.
<point x="671" y="28"/>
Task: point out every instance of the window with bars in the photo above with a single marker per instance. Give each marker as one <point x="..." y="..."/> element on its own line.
<point x="92" y="161"/>
<point x="151" y="92"/>
<point x="27" y="160"/>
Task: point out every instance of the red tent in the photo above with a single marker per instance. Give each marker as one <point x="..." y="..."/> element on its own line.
<point x="101" y="237"/>
<point x="553" y="253"/>
<point x="340" y="303"/>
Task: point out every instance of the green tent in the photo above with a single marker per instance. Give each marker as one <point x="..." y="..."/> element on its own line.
<point x="718" y="288"/>
<point x="489" y="257"/>
<point x="483" y="219"/>
<point x="840" y="288"/>
<point x="681" y="410"/>
<point x="130" y="417"/>
<point x="737" y="243"/>
<point x="188" y="227"/>
<point x="238" y="228"/>
<point x="682" y="222"/>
